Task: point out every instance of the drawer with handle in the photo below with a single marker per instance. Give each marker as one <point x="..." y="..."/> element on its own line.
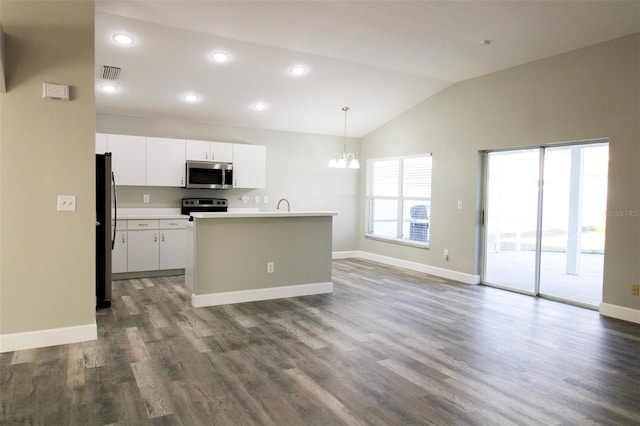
<point x="142" y="224"/>
<point x="173" y="223"/>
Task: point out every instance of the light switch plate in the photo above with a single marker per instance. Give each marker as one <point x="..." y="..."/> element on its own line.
<point x="67" y="203"/>
<point x="55" y="91"/>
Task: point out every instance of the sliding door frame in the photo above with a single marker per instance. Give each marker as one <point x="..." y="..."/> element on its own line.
<point x="484" y="156"/>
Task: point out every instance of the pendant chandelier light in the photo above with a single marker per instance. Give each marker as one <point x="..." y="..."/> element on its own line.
<point x="344" y="159"/>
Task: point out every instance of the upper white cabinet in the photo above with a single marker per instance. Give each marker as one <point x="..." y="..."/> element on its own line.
<point x="150" y="161"/>
<point x="165" y="162"/>
<point x="209" y="151"/>
<point x="128" y="158"/>
<point x="249" y="166"/>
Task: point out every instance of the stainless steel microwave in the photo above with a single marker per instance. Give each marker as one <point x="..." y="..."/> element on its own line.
<point x="209" y="175"/>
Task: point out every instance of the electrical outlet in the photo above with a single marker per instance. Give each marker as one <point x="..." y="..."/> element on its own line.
<point x="270" y="267"/>
<point x="145" y="198"/>
<point x="635" y="289"/>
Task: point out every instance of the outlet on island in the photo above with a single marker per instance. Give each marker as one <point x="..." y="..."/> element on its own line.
<point x="270" y="268"/>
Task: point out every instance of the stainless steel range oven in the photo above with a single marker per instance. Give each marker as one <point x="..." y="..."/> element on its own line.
<point x="203" y="205"/>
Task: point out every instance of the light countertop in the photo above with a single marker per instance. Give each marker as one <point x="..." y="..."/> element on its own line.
<point x="150" y="213"/>
<point x="239" y="215"/>
<point x="171" y="213"/>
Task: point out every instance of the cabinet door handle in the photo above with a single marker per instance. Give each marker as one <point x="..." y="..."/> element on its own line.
<point x="206" y="155"/>
<point x="155" y="237"/>
<point x="163" y="237"/>
<point x="122" y="238"/>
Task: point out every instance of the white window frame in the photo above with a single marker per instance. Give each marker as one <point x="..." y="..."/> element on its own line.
<point x="401" y="200"/>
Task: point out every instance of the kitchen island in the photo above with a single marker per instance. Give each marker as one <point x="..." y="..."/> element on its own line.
<point x="244" y="257"/>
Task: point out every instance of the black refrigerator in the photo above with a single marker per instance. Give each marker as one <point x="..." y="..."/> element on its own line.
<point x="106" y="210"/>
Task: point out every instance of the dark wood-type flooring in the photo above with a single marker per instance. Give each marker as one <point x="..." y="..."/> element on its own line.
<point x="388" y="347"/>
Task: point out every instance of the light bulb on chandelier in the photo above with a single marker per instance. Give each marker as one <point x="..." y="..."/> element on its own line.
<point x="344" y="159"/>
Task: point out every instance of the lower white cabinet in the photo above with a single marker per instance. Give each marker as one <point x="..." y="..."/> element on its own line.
<point x="172" y="248"/>
<point x="151" y="245"/>
<point x="143" y="250"/>
<point x="119" y="252"/>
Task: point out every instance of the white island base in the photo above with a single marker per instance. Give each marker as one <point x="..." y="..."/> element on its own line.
<point x="247" y="257"/>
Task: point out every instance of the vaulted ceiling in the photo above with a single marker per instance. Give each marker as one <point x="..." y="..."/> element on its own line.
<point x="380" y="58"/>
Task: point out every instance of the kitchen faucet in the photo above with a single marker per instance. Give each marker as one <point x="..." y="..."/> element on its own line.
<point x="288" y="205"/>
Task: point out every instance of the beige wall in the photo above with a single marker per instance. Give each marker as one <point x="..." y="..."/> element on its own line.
<point x="585" y="94"/>
<point x="232" y="254"/>
<point x="47" y="257"/>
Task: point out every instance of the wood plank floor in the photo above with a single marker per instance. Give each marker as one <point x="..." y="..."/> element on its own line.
<point x="388" y="347"/>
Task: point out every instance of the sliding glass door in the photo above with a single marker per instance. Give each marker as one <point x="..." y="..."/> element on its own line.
<point x="548" y="239"/>
<point x="573" y="223"/>
<point x="511" y="219"/>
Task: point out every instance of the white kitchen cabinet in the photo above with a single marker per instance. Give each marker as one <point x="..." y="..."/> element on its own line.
<point x="172" y="243"/>
<point x="165" y="162"/>
<point x="128" y="158"/>
<point x="142" y="251"/>
<point x="143" y="245"/>
<point x="101" y="143"/>
<point x="172" y="248"/>
<point x="249" y="166"/>
<point x="119" y="253"/>
<point x="149" y="245"/>
<point x="209" y="151"/>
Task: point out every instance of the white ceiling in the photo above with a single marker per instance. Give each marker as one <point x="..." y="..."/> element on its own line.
<point x="378" y="57"/>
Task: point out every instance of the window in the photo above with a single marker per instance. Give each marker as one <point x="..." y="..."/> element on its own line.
<point x="399" y="199"/>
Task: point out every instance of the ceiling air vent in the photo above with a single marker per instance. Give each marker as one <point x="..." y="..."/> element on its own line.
<point x="109" y="73"/>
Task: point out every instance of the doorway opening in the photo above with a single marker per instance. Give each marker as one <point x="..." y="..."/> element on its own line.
<point x="544" y="217"/>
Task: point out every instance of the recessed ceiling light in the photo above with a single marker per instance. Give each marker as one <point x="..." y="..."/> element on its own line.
<point x="298" y="70"/>
<point x="260" y="106"/>
<point x="123" y="39"/>
<point x="108" y="88"/>
<point x="220" y="57"/>
<point x="191" y="97"/>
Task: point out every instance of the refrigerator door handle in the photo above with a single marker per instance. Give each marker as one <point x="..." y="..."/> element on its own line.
<point x="115" y="210"/>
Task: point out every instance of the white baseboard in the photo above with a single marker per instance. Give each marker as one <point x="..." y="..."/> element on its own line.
<point x="620" y="312"/>
<point x="50" y="337"/>
<point x="345" y="254"/>
<point x="414" y="266"/>
<point x="215" y="299"/>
